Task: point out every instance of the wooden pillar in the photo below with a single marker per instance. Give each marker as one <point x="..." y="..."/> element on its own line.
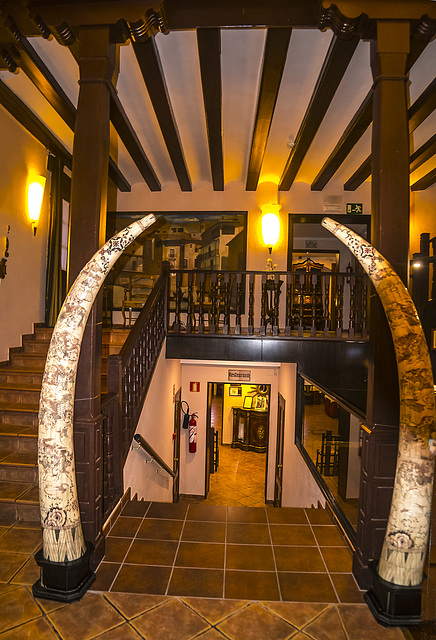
<point x="390" y="235"/>
<point x="97" y="57"/>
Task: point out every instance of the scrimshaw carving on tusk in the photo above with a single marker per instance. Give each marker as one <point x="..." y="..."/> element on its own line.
<point x="405" y="544"/>
<point x="60" y="516"/>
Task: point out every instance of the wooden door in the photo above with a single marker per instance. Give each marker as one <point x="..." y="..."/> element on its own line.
<point x="278" y="483"/>
<point x="176" y="445"/>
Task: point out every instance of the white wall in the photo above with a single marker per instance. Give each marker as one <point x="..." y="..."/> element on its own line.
<point x="22" y="291"/>
<point x="299" y="487"/>
<point x="156" y="425"/>
<point x="193" y="465"/>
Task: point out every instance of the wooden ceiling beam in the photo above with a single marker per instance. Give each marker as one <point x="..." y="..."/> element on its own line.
<point x="131" y="141"/>
<point x="150" y="65"/>
<point x="352" y="134"/>
<point x="426" y="181"/>
<point x="335" y="64"/>
<point x="209" y="51"/>
<point x="274" y="59"/>
<point x="424" y="153"/>
<point x="359" y="176"/>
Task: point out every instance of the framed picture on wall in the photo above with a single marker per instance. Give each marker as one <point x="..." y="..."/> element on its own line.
<point x="248" y="402"/>
<point x="235" y="390"/>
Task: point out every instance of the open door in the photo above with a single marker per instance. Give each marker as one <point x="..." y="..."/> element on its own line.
<point x="176" y="445"/>
<point x="278" y="482"/>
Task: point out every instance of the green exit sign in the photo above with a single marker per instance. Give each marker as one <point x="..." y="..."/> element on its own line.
<point x="354" y="207"/>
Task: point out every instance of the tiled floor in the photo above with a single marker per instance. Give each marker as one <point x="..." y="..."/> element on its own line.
<point x="149" y="589"/>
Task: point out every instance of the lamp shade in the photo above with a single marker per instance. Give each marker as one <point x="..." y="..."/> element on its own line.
<point x="35" y="194"/>
<point x="270" y="229"/>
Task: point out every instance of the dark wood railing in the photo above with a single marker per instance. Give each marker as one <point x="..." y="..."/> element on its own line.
<point x="289" y="303"/>
<point x="112" y="470"/>
<point x="129" y="372"/>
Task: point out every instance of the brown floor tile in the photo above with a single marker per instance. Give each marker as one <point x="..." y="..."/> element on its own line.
<point x="152" y="552"/>
<point x="249" y="557"/>
<point x="21" y="540"/>
<point x="202" y="583"/>
<point x="200" y="554"/>
<point x="28" y="574"/>
<point x="123" y="632"/>
<point x="6" y="588"/>
<point x="135" y="508"/>
<point x="86" y="618"/>
<point x="106" y="573"/>
<point x="132" y="607"/>
<point x="116" y="548"/>
<point x="328" y="536"/>
<point x="138" y="578"/>
<point x="125" y="527"/>
<point x="204" y="532"/>
<point x="360" y="624"/>
<point x="255" y="623"/>
<point x="337" y="559"/>
<point x="10" y="563"/>
<point x="160" y="529"/>
<point x="251" y="585"/>
<point x="243" y="534"/>
<point x="287" y="515"/>
<point x="171" y="621"/>
<point x="215" y="610"/>
<point x="319" y="516"/>
<point x="246" y="514"/>
<point x="298" y="614"/>
<point x="209" y="512"/>
<point x="171" y="510"/>
<point x="212" y="634"/>
<point x="299" y="559"/>
<point x="294" y="534"/>
<point x="327" y="626"/>
<point x="17" y="607"/>
<point x="346" y="588"/>
<point x="39" y="629"/>
<point x="301" y="587"/>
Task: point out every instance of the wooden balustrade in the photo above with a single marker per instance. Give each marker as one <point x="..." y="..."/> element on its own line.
<point x="285" y="303"/>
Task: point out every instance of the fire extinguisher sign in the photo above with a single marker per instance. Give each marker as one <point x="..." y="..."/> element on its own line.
<point x="194" y="386"/>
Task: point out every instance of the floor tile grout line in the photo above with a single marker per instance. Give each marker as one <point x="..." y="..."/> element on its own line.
<point x="177" y="550"/>
<point x="274" y="556"/>
<point x="225" y="553"/>
<point x="322" y="558"/>
<point x="130" y="546"/>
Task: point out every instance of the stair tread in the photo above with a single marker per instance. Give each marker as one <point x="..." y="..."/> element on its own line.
<point x="22" y="458"/>
<point x="10" y="491"/>
<point x="30" y="496"/>
<point x="17" y="386"/>
<point x="19" y="406"/>
<point x="15" y="369"/>
<point x="28" y="430"/>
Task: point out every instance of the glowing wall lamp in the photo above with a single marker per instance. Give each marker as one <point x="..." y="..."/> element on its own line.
<point x="35" y="194"/>
<point x="271" y="225"/>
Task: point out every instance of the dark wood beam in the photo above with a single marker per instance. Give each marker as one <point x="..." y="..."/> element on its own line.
<point x="21" y="112"/>
<point x="359" y="176"/>
<point x="130" y="140"/>
<point x="335" y="64"/>
<point x="423" y="106"/>
<point x="426" y="181"/>
<point x="421" y="155"/>
<point x="274" y="59"/>
<point x="117" y="177"/>
<point x="152" y="72"/>
<point x="352" y="134"/>
<point x="36" y="70"/>
<point x="209" y="51"/>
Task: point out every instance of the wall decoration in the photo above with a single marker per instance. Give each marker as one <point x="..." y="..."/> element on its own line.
<point x="405" y="544"/>
<point x="235" y="390"/>
<point x="248" y="402"/>
<point x="60" y="516"/>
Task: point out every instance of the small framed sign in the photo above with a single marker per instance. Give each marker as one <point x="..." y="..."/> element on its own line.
<point x="354" y="207"/>
<point x="239" y="374"/>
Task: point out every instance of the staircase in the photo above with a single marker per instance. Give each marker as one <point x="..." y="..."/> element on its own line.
<point x="20" y="387"/>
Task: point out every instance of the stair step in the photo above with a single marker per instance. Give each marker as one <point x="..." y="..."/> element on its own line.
<point x="19" y="501"/>
<point x="43" y="333"/>
<point x="16" y="413"/>
<point x="19" y="466"/>
<point x="35" y="346"/>
<point x="35" y="361"/>
<point x="21" y="375"/>
<point x="15" y="393"/>
<point x="25" y="440"/>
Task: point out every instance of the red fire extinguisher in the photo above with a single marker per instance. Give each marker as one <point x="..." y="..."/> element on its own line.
<point x="193" y="433"/>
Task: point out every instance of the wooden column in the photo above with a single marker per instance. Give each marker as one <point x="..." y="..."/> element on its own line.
<point x="97" y="56"/>
<point x="390" y="235"/>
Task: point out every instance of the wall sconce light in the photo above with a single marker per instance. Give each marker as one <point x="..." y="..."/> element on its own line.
<point x="35" y="194"/>
<point x="271" y="225"/>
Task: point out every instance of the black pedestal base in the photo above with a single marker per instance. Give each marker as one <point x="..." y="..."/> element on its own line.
<point x="64" y="581"/>
<point x="393" y="605"/>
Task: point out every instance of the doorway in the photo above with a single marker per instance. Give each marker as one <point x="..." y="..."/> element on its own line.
<point x="237" y="443"/>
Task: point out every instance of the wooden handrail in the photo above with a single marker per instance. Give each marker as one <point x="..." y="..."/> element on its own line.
<point x="154" y="455"/>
